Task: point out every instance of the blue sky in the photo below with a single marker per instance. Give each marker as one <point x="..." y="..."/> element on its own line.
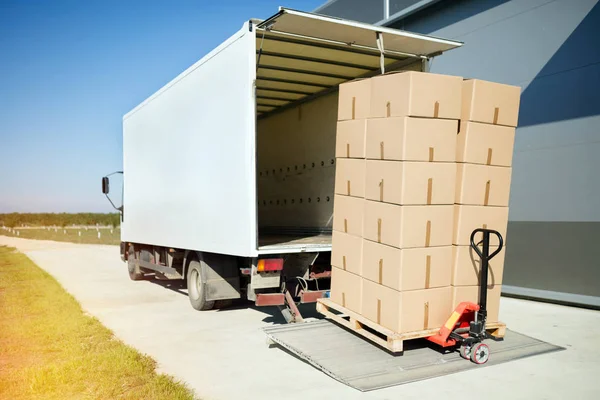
<point x="69" y="71"/>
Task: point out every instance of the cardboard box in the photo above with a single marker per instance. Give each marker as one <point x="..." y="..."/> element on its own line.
<point x="350" y="177"/>
<point x="411" y="139"/>
<point x="407" y="269"/>
<point x="471" y="293"/>
<point x="490" y="102"/>
<point x="354" y="101"/>
<point x="346" y="252"/>
<point x="469" y="218"/>
<point x="485" y="144"/>
<point x="346" y="289"/>
<point x="348" y="214"/>
<point x="417" y="94"/>
<point x="350" y="138"/>
<point x="413" y="183"/>
<point x="482" y="185"/>
<point x="410" y="311"/>
<point x="408" y="226"/>
<point x="466" y="266"/>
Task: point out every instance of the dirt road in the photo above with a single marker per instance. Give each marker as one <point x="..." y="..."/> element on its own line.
<point x="222" y="354"/>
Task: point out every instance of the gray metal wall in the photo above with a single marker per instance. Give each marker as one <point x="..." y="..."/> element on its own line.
<point x="357" y="10"/>
<point x="552" y="50"/>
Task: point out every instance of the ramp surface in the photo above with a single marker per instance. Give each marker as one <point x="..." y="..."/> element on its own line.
<point x="365" y="366"/>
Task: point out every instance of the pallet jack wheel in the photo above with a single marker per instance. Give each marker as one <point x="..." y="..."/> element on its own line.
<point x="465" y="351"/>
<point x="480" y="353"/>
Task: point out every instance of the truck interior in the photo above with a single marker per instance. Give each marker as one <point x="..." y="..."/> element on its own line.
<point x="301" y="60"/>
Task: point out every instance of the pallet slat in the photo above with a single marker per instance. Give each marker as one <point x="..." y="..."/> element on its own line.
<point x="390" y="340"/>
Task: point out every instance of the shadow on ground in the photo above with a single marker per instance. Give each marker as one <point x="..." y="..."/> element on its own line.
<point x="272" y="313"/>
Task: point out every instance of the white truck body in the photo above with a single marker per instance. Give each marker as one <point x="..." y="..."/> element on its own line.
<point x="197" y="154"/>
<point x="189" y="156"/>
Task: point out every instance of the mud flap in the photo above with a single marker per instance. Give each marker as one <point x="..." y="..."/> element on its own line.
<point x="221" y="276"/>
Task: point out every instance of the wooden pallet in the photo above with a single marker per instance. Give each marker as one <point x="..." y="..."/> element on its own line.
<point x="380" y="335"/>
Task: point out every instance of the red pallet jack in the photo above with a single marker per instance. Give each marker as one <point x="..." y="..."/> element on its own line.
<point x="466" y="325"/>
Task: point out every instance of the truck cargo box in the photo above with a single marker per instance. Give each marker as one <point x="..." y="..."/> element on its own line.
<point x="237" y="154"/>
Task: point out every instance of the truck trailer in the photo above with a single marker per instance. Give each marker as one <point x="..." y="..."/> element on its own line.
<point x="228" y="170"/>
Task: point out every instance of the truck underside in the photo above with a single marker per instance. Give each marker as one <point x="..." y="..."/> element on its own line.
<point x="281" y="280"/>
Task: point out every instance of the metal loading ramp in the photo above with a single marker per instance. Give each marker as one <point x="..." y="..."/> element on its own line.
<point x="365" y="366"/>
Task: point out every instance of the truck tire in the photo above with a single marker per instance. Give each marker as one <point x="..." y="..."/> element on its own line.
<point x="135" y="274"/>
<point x="195" y="286"/>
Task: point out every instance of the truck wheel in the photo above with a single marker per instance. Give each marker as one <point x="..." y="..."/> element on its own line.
<point x="480" y="353"/>
<point x="132" y="266"/>
<point x="195" y="286"/>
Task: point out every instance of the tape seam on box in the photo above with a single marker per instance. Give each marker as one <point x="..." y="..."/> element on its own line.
<point x="486" y="197"/>
<point x="428" y="272"/>
<point x="429" y="190"/>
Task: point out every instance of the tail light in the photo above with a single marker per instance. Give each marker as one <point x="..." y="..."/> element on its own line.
<point x="270" y="264"/>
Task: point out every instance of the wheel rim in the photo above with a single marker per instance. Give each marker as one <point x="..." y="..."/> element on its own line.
<point x="465" y="352"/>
<point x="481" y="354"/>
<point x="195" y="284"/>
<point x="131" y="261"/>
<point x="131" y="265"/>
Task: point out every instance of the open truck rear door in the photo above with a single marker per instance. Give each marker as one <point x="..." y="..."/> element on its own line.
<point x="302" y="55"/>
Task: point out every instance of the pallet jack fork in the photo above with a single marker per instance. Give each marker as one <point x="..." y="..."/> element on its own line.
<point x="466" y="326"/>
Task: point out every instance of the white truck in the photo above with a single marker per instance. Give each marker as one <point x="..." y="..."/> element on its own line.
<point x="229" y="168"/>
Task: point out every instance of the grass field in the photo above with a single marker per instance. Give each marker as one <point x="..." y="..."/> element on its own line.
<point x="68" y="235"/>
<point x="49" y="349"/>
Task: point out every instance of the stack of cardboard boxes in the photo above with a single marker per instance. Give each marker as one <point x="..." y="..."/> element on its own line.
<point x="484" y="158"/>
<point x="394" y="204"/>
<point x="404" y="208"/>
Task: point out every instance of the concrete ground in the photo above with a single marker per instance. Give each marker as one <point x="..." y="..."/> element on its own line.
<point x="222" y="354"/>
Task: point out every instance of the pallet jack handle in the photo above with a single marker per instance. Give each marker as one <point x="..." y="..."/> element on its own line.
<point x="485" y="256"/>
<point x="475" y="315"/>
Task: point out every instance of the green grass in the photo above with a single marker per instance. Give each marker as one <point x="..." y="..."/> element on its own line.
<point x="72" y="235"/>
<point x="50" y="350"/>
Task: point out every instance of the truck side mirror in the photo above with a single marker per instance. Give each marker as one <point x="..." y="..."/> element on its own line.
<point x="105" y="185"/>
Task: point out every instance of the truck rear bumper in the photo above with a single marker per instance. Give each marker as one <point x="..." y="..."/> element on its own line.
<point x="270" y="299"/>
<point x="278" y="299"/>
